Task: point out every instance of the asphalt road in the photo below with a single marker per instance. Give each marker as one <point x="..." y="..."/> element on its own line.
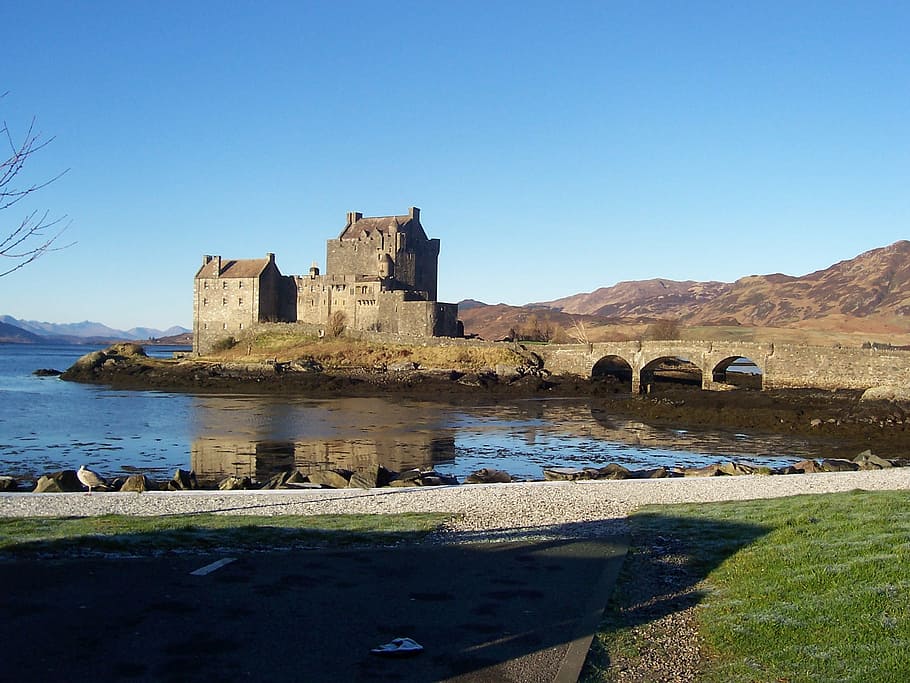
<point x="521" y="611"/>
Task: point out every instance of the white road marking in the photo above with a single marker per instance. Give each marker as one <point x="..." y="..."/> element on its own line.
<point x="209" y="568"/>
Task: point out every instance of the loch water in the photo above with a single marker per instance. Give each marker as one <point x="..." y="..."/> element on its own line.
<point x="47" y="424"/>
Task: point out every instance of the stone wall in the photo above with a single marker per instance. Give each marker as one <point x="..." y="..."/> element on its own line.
<point x="782" y="365"/>
<point x="832" y="368"/>
<point x="223" y="307"/>
<point x="413" y="263"/>
<point x="226" y="306"/>
<point x="361" y="256"/>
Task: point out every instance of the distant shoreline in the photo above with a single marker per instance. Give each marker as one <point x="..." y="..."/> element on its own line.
<point x="182" y="340"/>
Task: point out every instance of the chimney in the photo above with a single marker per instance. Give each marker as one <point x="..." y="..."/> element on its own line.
<point x="270" y="256"/>
<point x="414" y="213"/>
<point x="354" y="216"/>
<point x="206" y="259"/>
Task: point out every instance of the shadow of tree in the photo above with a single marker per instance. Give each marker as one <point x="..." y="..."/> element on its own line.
<point x="668" y="558"/>
<point x="483" y="611"/>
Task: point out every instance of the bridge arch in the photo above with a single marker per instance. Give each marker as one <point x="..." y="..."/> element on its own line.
<point x="669" y="369"/>
<point x="740" y="371"/>
<point x="614" y="368"/>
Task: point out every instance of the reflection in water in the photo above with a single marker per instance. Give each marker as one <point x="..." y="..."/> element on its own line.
<point x="259" y="436"/>
<point x="214" y="458"/>
<point x="47" y="425"/>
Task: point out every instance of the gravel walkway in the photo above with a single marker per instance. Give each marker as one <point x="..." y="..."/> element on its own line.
<point x="486" y="510"/>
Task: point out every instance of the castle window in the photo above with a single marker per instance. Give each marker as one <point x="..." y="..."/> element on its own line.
<point x="240" y="301"/>
<point x="205" y="302"/>
<point x="224" y="302"/>
<point x="224" y="284"/>
<point x="223" y="326"/>
<point x="205" y="284"/>
<point x="240" y="284"/>
<point x="205" y="326"/>
<point x="241" y="326"/>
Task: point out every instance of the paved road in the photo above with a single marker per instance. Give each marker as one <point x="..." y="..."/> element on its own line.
<point x="521" y="611"/>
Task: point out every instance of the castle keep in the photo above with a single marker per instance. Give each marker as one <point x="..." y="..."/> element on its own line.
<point x="380" y="276"/>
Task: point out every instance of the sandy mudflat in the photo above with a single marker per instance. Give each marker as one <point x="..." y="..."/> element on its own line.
<point x="548" y="508"/>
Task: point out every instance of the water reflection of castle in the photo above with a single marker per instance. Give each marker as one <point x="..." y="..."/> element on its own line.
<point x="214" y="458"/>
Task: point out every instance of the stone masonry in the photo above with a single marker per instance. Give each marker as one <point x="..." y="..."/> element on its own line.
<point x="783" y="366"/>
<point x="380" y="276"/>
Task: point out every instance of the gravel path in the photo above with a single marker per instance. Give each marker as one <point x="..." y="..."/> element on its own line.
<point x="487" y="510"/>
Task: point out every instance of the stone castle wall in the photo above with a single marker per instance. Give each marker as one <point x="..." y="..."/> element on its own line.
<point x="224" y="307"/>
<point x="380" y="274"/>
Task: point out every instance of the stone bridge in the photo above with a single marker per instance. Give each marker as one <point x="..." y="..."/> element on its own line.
<point x="780" y="365"/>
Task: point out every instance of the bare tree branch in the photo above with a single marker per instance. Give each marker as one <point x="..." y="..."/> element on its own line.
<point x="37" y="233"/>
<point x="579" y="332"/>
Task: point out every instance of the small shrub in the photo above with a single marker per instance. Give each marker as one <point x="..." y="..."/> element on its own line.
<point x="224" y="344"/>
<point x="663" y="329"/>
<point x="337" y="322"/>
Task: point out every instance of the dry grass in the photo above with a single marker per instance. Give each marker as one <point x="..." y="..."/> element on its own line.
<point x="782" y="335"/>
<point x="285" y="345"/>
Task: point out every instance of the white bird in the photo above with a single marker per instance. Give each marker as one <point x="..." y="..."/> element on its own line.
<point x="90" y="479"/>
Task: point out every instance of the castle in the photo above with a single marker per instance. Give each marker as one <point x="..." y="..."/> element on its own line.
<point x="380" y="276"/>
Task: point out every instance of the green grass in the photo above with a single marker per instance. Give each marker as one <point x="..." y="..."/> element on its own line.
<point x="199" y="532"/>
<point x="808" y="588"/>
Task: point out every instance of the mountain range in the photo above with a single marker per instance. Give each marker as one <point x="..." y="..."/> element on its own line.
<point x="87" y="332"/>
<point x="869" y="293"/>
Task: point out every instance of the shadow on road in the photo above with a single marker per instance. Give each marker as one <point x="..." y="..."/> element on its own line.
<point x="482" y="611"/>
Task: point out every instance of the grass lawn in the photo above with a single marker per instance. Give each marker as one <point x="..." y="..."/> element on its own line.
<point x="808" y="588"/>
<point x="199" y="532"/>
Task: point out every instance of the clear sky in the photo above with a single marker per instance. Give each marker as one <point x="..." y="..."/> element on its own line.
<point x="553" y="147"/>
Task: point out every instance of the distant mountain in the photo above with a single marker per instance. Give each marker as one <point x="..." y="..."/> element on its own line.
<point x="140" y="333"/>
<point x="88" y="331"/>
<point x="641" y="299"/>
<point x="10" y="334"/>
<point x="874" y="288"/>
<point x="468" y="304"/>
<point x="870" y="292"/>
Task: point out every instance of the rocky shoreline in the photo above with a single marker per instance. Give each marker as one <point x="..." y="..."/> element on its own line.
<point x="376" y="476"/>
<point x="845" y="422"/>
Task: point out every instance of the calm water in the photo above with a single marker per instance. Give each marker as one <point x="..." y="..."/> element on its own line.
<point x="47" y="424"/>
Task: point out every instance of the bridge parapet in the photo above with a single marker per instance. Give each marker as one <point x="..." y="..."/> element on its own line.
<point x="781" y="365"/>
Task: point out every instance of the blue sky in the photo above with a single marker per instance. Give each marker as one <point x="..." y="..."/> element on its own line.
<point x="553" y="147"/>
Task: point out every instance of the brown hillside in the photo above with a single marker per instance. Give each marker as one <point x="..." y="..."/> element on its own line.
<point x="874" y="286"/>
<point x="641" y="299"/>
<point x="868" y="294"/>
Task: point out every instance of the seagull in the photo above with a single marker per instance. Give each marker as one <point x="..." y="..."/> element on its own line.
<point x="90" y="479"/>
